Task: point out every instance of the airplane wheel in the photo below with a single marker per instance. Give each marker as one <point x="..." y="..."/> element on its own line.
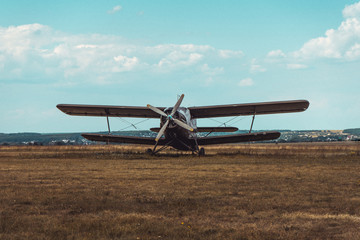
<point x="149" y="151"/>
<point x="202" y="152"/>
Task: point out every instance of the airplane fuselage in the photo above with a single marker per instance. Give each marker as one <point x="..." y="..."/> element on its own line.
<point x="179" y="137"/>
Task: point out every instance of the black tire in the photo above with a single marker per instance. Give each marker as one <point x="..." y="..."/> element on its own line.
<point x="149" y="151"/>
<point x="202" y="152"/>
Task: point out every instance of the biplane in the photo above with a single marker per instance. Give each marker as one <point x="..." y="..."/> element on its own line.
<point x="178" y="127"/>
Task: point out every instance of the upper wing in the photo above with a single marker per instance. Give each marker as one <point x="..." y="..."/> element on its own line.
<point x="196" y="112"/>
<point x="122" y="139"/>
<point x="111" y="111"/>
<point x="235" y="138"/>
<point x="249" y="109"/>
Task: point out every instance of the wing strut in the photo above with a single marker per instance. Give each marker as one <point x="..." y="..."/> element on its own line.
<point x="107" y="120"/>
<point x="162" y="148"/>
<point x="156" y="143"/>
<point x="252" y="122"/>
<point x="108" y="123"/>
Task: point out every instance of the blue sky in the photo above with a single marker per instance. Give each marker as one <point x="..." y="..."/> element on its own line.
<point x="215" y="52"/>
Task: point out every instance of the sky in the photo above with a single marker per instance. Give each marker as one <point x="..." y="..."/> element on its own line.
<point x="138" y="52"/>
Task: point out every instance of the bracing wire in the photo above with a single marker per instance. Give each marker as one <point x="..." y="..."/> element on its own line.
<point x="214" y="120"/>
<point x="227" y="122"/>
<point x="240" y="119"/>
<point x="224" y="123"/>
<point x="131" y="124"/>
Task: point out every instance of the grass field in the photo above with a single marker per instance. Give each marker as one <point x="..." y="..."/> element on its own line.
<point x="248" y="191"/>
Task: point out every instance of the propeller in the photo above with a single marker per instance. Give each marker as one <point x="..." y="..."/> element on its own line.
<point x="170" y="117"/>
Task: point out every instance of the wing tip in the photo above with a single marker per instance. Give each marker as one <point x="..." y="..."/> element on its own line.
<point x="307" y="104"/>
<point x="61" y="107"/>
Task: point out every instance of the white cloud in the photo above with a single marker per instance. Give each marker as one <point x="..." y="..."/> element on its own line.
<point x="295" y="66"/>
<point x="86" y="46"/>
<point x="37" y="50"/>
<point x="194" y="57"/>
<point x="178" y="59"/>
<point x="230" y="54"/>
<point x="246" y="82"/>
<point x="115" y="9"/>
<point x="276" y="54"/>
<point x="125" y="63"/>
<point x="352" y="11"/>
<point x="17" y="42"/>
<point x="181" y="48"/>
<point x="211" y="71"/>
<point x="2" y="62"/>
<point x="353" y="52"/>
<point x="340" y="43"/>
<point x="255" y="67"/>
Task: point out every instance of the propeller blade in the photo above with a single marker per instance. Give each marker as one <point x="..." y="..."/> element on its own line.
<point x="182" y="124"/>
<point x="162" y="130"/>
<point x="155" y="109"/>
<point x="177" y="105"/>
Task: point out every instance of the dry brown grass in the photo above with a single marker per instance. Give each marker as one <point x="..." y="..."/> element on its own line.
<point x="262" y="191"/>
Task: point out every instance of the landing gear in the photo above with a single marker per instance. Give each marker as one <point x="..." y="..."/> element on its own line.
<point x="149" y="151"/>
<point x="201" y="152"/>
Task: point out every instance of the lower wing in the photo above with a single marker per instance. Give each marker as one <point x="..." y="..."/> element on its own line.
<point x="235" y="138"/>
<point x="122" y="139"/>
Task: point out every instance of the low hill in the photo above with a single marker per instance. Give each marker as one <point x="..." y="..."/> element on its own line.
<point x="77" y="139"/>
<point x="353" y="131"/>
